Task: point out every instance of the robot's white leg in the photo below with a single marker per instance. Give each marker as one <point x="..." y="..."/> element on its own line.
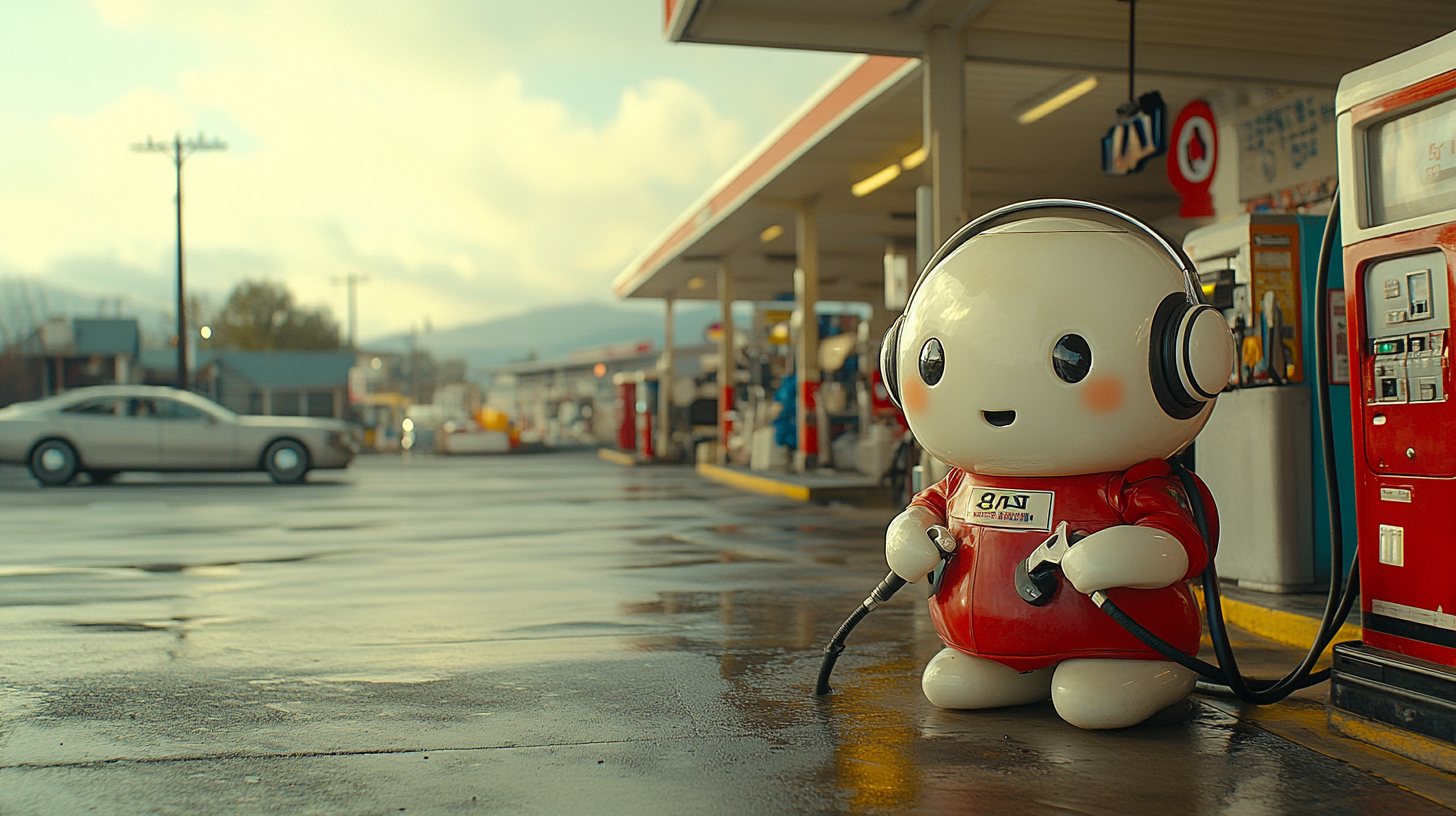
<point x="955" y="679"/>
<point x="1117" y="693"/>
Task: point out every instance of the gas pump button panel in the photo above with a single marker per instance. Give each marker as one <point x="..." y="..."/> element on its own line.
<point x="1402" y="294"/>
<point x="1407" y="318"/>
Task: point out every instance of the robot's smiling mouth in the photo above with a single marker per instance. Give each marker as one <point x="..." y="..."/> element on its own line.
<point x="999" y="418"/>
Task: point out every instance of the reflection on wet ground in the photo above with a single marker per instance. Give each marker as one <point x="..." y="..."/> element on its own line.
<point x="893" y="752"/>
<point x="537" y="634"/>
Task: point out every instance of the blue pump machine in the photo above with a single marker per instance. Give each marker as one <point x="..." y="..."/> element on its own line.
<point x="1260" y="453"/>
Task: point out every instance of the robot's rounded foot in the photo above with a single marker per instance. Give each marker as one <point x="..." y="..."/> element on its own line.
<point x="1096" y="694"/>
<point x="955" y="679"/>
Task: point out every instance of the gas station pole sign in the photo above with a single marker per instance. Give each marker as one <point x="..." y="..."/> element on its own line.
<point x="1193" y="159"/>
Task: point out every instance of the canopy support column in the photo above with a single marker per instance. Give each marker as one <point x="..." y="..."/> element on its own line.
<point x="806" y="360"/>
<point x="944" y="128"/>
<point x="726" y="369"/>
<point x="665" y="366"/>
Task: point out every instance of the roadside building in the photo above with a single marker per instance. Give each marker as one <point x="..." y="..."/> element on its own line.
<point x="582" y="399"/>
<point x="286" y="383"/>
<point x="69" y="353"/>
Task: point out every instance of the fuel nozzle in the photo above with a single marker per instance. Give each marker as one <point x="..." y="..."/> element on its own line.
<point x="1036" y="577"/>
<point x="944" y="541"/>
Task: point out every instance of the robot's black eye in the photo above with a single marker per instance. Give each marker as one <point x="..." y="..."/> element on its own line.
<point x="932" y="361"/>
<point x="1072" y="358"/>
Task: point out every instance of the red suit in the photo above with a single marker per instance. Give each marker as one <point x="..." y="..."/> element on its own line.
<point x="999" y="520"/>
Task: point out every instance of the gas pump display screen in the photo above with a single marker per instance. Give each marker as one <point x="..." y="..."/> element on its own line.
<point x="1413" y="164"/>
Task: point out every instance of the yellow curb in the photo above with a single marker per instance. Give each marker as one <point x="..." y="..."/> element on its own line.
<point x="1288" y="628"/>
<point x="758" y="484"/>
<point x="1419" y="747"/>
<point x="616" y="457"/>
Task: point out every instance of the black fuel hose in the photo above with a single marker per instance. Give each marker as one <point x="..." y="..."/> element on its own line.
<point x="886" y="590"/>
<point x="1225" y="678"/>
<point x="1158" y="645"/>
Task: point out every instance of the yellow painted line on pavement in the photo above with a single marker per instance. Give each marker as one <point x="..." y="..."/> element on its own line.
<point x="616" y="457"/>
<point x="1288" y="628"/>
<point x="757" y="484"/>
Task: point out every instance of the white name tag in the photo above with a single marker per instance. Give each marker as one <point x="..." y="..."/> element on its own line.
<point x="1010" y="509"/>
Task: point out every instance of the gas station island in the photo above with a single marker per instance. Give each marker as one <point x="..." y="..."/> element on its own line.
<point x="1293" y="161"/>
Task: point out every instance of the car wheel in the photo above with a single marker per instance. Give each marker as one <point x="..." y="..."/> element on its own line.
<point x="102" y="477"/>
<point x="286" y="461"/>
<point x="54" y="463"/>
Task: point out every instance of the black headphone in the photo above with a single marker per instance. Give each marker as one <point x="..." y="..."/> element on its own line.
<point x="1170" y="364"/>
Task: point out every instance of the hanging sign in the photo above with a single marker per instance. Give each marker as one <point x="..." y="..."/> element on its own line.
<point x="1193" y="159"/>
<point x="1141" y="135"/>
<point x="1287" y="149"/>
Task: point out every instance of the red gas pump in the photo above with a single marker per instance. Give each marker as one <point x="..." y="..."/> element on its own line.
<point x="626" y="412"/>
<point x="1397" y="129"/>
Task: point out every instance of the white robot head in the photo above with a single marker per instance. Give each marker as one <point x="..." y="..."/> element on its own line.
<point x="1064" y="342"/>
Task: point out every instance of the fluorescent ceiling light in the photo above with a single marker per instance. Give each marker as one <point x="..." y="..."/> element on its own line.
<point x="771" y="233"/>
<point x="1058" y="97"/>
<point x="880" y="179"/>
<point x="875" y="182"/>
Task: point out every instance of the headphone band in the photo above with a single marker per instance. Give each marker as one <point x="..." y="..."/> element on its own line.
<point x="1006" y="214"/>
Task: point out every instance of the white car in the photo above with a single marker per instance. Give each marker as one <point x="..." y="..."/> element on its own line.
<point x="105" y="429"/>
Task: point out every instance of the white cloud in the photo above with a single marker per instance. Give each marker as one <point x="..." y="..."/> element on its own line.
<point x="360" y="142"/>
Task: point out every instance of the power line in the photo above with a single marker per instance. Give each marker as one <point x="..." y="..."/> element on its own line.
<point x="178" y="150"/>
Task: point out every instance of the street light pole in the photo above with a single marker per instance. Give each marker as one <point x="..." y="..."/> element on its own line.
<point x="353" y="279"/>
<point x="178" y="150"/>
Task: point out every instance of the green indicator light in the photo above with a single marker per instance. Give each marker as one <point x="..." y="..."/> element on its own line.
<point x="1384" y="348"/>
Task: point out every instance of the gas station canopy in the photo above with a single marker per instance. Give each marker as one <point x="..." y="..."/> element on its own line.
<point x="870" y="117"/>
<point x="865" y="119"/>
<point x="1288" y="42"/>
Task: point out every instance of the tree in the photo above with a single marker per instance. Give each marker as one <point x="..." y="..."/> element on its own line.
<point x="24" y="306"/>
<point x="261" y="316"/>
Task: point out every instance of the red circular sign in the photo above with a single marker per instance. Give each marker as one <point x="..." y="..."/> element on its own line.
<point x="1193" y="158"/>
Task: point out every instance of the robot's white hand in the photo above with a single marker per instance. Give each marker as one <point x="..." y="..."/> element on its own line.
<point x="1125" y="556"/>
<point x="908" y="549"/>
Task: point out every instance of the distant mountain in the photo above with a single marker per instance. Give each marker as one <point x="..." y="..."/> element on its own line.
<point x="554" y="332"/>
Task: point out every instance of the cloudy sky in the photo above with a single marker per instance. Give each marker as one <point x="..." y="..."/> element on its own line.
<point x="473" y="158"/>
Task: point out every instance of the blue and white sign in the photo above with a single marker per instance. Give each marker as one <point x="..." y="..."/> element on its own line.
<point x="1130" y="143"/>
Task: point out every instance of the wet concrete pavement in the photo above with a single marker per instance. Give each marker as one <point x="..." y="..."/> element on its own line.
<point x="534" y="634"/>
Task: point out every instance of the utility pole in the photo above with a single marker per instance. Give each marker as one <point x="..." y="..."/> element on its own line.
<point x="353" y="279"/>
<point x="178" y="150"/>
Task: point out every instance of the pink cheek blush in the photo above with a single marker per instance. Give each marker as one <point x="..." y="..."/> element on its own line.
<point x="915" y="395"/>
<point x="1102" y="395"/>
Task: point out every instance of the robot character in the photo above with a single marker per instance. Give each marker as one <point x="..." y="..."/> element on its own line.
<point x="1054" y="354"/>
